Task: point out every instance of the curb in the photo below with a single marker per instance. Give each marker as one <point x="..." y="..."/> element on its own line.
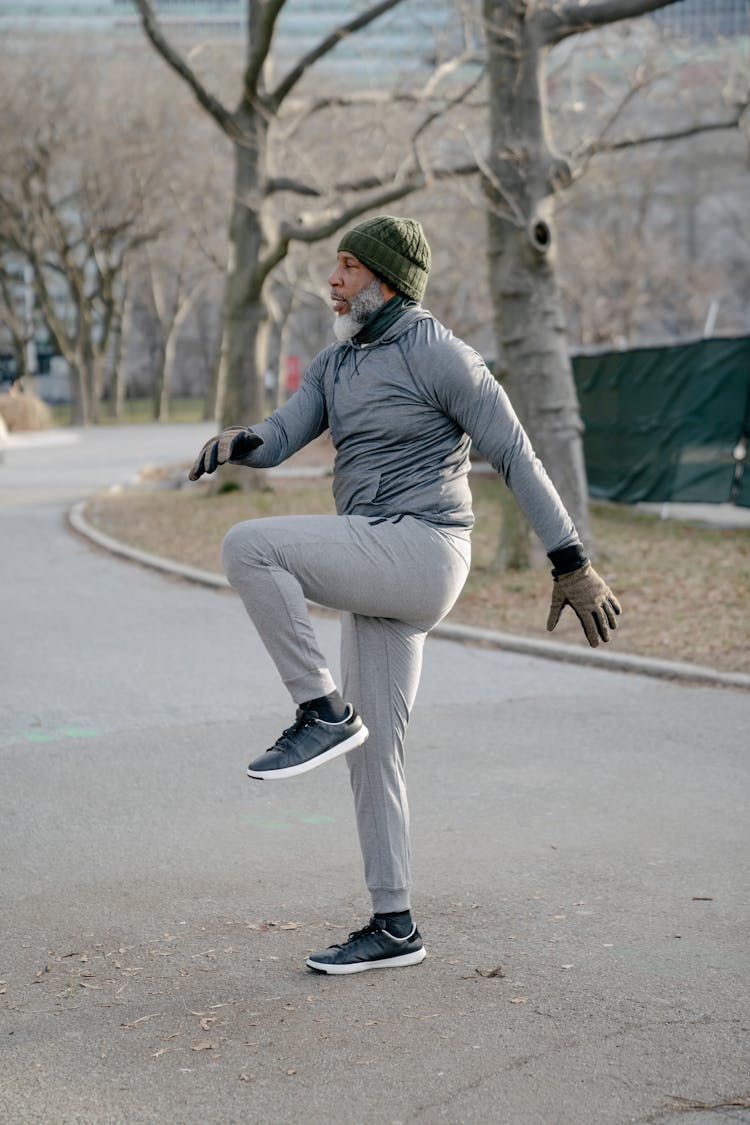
<point x="467" y="634"/>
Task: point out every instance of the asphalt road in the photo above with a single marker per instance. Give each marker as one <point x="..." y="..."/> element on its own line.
<point x="581" y="843"/>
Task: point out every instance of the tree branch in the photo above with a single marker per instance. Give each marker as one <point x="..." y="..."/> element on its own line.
<point x="259" y="44"/>
<point x="172" y="58"/>
<point x="284" y="183"/>
<point x="571" y="17"/>
<point x="388" y="193"/>
<point x="326" y="45"/>
<point x="670" y="135"/>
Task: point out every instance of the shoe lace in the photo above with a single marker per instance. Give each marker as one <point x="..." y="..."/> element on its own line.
<point x="372" y="927"/>
<point x="304" y="719"/>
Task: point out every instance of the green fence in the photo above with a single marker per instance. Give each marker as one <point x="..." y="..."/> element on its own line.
<point x="664" y="423"/>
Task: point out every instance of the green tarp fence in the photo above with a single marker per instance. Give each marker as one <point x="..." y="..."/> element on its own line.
<point x="665" y="423"/>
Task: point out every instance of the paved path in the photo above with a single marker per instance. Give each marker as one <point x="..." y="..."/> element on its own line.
<point x="584" y="830"/>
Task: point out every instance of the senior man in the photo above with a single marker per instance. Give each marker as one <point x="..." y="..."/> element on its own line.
<point x="403" y="399"/>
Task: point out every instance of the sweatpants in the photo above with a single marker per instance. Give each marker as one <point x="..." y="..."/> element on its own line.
<point x="392" y="580"/>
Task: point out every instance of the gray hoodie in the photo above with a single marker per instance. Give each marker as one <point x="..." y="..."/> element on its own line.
<point x="402" y="413"/>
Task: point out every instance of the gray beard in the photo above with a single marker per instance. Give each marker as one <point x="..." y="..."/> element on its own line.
<point x="366" y="302"/>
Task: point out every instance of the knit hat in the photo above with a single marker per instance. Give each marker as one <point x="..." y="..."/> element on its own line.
<point x="395" y="249"/>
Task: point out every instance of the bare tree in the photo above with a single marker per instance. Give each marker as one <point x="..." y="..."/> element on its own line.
<point x="522" y="177"/>
<point x="68" y="212"/>
<point x="16" y="317"/>
<point x="260" y="234"/>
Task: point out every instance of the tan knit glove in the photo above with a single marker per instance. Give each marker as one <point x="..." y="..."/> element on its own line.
<point x="592" y="600"/>
<point x="230" y="445"/>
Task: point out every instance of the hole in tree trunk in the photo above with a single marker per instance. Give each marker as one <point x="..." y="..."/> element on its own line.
<point x="540" y="235"/>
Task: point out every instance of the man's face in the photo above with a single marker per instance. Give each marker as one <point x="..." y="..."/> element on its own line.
<point x="356" y="293"/>
<point x="348" y="279"/>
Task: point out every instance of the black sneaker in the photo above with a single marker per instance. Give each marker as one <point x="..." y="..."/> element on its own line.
<point x="308" y="743"/>
<point x="370" y="948"/>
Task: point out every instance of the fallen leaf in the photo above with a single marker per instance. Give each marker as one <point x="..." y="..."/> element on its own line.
<point x="88" y="984"/>
<point x="247" y="1078"/>
<point x="520" y="1000"/>
<point x="566" y="966"/>
<point x="204" y="1045"/>
<point x="141" y="1019"/>
<point x="206" y="1024"/>
<point x="291" y="1072"/>
<point x="702" y="898"/>
<point x="498" y="971"/>
<point x="289" y="926"/>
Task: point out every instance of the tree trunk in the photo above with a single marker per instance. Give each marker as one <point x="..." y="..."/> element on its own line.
<point x="79" y="404"/>
<point x="522" y="175"/>
<point x="245" y="322"/>
<point x="120" y="329"/>
<point x="159" y="393"/>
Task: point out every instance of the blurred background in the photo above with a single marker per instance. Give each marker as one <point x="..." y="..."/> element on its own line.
<point x="148" y="271"/>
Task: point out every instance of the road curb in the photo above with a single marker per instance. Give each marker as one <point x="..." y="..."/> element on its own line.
<point x="466" y="634"/>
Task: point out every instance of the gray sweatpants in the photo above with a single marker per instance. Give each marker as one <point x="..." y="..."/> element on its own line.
<point x="393" y="581"/>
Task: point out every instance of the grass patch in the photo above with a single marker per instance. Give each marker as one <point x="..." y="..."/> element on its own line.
<point x="685" y="589"/>
<point x="138" y="411"/>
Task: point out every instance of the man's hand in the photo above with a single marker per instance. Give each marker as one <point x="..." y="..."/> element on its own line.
<point x="592" y="600"/>
<point x="230" y="445"/>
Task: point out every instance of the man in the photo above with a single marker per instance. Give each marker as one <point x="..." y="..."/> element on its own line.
<point x="403" y="400"/>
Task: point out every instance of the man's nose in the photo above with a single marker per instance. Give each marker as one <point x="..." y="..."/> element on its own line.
<point x="334" y="278"/>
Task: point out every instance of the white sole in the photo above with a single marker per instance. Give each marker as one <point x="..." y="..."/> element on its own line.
<point x="294" y="771"/>
<point x="414" y="958"/>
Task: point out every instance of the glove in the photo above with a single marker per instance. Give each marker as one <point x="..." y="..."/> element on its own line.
<point x="592" y="600"/>
<point x="230" y="445"/>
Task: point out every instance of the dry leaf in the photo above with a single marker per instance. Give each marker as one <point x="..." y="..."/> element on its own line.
<point x="289" y="926"/>
<point x="702" y="898"/>
<point x="291" y="1072"/>
<point x="206" y="1024"/>
<point x="141" y="1019"/>
<point x="204" y="1045"/>
<point x="247" y="1078"/>
<point x="519" y="1000"/>
<point x="498" y="971"/>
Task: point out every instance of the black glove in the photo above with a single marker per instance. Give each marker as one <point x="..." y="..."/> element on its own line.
<point x="233" y="444"/>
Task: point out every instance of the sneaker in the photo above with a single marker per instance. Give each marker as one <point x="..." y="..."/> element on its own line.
<point x="308" y="743"/>
<point x="370" y="948"/>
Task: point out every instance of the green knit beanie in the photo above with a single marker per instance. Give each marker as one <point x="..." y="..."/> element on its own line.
<point x="395" y="249"/>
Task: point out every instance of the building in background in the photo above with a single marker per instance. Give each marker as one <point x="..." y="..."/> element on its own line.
<point x="706" y="19"/>
<point x="414" y="30"/>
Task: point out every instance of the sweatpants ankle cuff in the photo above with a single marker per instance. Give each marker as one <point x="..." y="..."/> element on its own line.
<point x="388" y="901"/>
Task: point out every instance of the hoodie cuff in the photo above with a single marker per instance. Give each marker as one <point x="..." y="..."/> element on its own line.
<point x="567" y="559"/>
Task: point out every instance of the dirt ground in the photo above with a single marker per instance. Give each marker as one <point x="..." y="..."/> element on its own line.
<point x="684" y="588"/>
